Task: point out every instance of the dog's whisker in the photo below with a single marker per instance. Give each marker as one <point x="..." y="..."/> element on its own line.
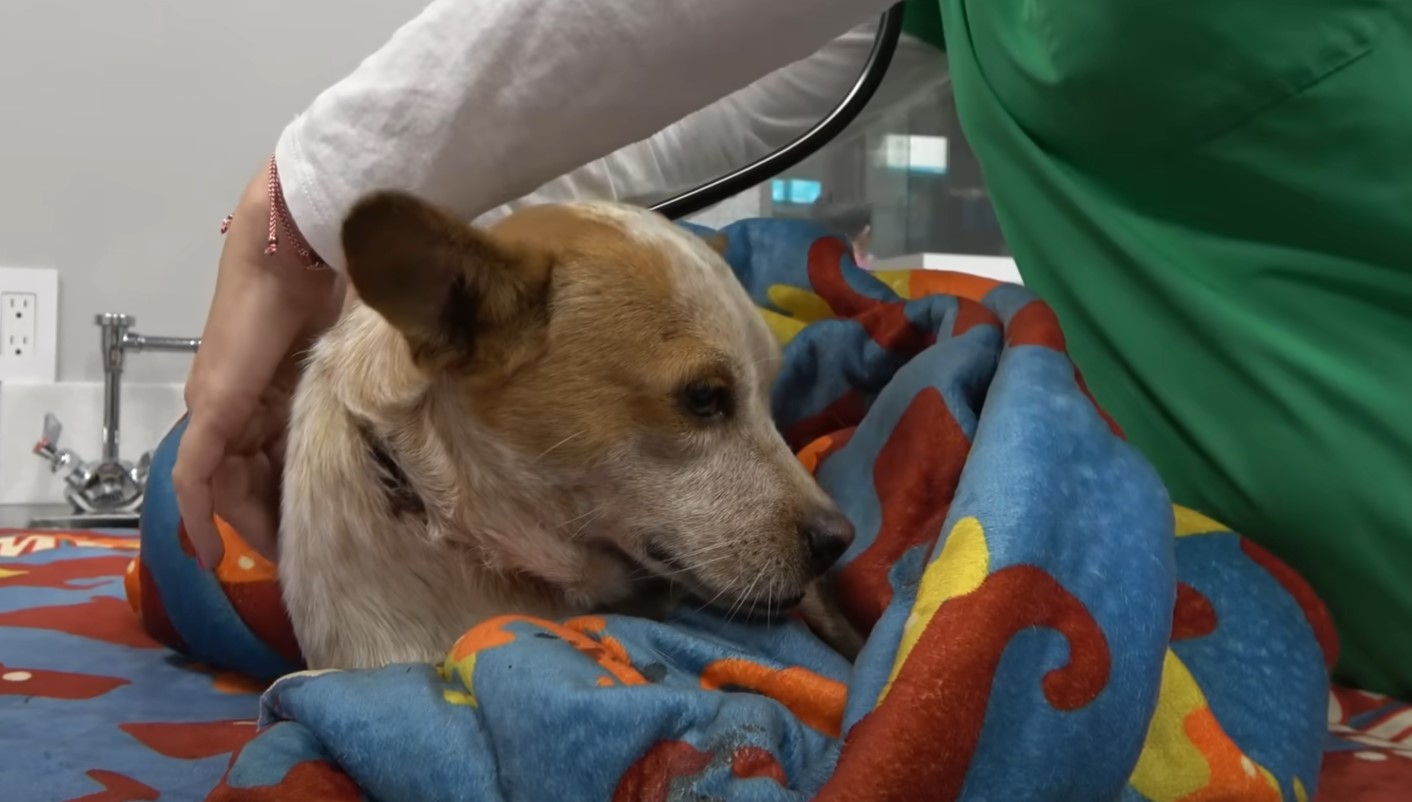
<point x="705" y="550"/>
<point x="585" y="525"/>
<point x="579" y="517"/>
<point x="694" y="566"/>
<point x="729" y="586"/>
<point x="743" y="598"/>
<point x="546" y="452"/>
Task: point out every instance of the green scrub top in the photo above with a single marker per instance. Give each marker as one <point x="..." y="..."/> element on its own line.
<point x="1216" y="199"/>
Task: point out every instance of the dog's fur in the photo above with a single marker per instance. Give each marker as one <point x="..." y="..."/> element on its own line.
<point x="565" y="413"/>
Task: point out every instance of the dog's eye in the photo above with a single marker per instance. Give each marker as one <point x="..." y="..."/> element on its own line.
<point x="706" y="400"/>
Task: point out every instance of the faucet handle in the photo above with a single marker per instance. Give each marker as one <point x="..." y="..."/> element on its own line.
<point x="48" y="444"/>
<point x="142" y="469"/>
<point x="48" y="447"/>
<point x="114" y="319"/>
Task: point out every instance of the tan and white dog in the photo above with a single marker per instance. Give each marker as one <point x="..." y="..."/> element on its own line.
<point x="565" y="413"/>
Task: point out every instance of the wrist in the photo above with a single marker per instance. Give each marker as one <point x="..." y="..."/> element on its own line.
<point x="283" y="276"/>
<point x="263" y="200"/>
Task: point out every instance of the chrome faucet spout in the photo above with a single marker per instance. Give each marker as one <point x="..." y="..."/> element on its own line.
<point x="132" y="341"/>
<point x="109" y="485"/>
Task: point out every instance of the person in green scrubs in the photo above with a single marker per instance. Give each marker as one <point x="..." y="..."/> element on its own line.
<point x="1216" y="199"/>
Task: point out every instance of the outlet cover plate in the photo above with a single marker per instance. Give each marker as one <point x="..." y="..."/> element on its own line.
<point x="17" y="323"/>
<point x="39" y="363"/>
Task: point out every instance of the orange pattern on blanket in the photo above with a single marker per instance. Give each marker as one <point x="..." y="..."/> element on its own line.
<point x="812" y="454"/>
<point x="1234" y="776"/>
<point x="593" y="627"/>
<point x="817" y="700"/>
<point x="606" y="652"/>
<point x="919" y="283"/>
<point x="950" y="282"/>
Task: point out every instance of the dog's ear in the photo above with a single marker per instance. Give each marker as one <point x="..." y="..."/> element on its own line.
<point x="461" y="298"/>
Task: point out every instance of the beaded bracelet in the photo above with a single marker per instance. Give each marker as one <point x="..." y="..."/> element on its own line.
<point x="280" y="220"/>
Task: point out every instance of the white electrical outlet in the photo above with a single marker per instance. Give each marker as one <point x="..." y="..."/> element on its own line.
<point x="17" y="323"/>
<point x="29" y="324"/>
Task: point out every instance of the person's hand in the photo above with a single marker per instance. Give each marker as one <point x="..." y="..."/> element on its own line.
<point x="266" y="310"/>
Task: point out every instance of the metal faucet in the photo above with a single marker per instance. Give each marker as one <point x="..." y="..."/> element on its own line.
<point x="108" y="491"/>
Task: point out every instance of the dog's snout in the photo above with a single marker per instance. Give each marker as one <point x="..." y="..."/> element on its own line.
<point x="827" y="535"/>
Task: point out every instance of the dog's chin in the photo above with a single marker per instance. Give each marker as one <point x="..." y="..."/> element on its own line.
<point x="681" y="574"/>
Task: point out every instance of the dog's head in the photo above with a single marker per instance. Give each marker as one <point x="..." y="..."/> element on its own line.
<point x="617" y="356"/>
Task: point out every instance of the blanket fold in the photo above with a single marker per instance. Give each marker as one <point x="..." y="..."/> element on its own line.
<point x="1045" y="624"/>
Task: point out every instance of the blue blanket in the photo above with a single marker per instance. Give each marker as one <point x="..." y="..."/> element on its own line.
<point x="1044" y="624"/>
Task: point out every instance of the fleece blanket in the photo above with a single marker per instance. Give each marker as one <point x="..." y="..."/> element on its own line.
<point x="1044" y="624"/>
<point x="92" y="709"/>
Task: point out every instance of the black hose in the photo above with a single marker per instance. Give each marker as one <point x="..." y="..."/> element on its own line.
<point x="808" y="143"/>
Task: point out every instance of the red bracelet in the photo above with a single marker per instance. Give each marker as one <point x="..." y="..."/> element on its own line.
<point x="280" y="220"/>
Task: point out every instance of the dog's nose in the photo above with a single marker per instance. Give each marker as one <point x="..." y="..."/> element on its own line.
<point x="827" y="535"/>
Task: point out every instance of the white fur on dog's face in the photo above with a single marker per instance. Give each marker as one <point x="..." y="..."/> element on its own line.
<point x="670" y="368"/>
<point x="615" y="364"/>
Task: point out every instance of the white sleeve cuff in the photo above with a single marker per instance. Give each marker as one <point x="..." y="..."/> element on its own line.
<point x="309" y="210"/>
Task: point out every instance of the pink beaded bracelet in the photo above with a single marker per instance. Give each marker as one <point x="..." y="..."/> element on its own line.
<point x="280" y="220"/>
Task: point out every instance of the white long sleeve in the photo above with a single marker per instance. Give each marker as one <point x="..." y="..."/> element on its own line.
<point x="477" y="102"/>
<point x="745" y="126"/>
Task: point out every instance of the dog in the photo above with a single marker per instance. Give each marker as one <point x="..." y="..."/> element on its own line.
<point x="567" y="412"/>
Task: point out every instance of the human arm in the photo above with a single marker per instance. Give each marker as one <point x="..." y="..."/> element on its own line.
<point x="477" y="102"/>
<point x="746" y="125"/>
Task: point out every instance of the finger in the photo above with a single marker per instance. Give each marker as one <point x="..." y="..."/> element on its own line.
<point x="240" y="504"/>
<point x="198" y="457"/>
<point x="275" y="450"/>
<point x="264" y="491"/>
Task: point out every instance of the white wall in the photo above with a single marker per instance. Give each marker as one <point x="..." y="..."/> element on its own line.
<point x="128" y="128"/>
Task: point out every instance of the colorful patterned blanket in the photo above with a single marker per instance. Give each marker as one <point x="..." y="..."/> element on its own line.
<point x="1044" y="624"/>
<point x="94" y="710"/>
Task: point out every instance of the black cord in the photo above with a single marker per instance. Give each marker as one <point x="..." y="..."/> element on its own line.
<point x="808" y="143"/>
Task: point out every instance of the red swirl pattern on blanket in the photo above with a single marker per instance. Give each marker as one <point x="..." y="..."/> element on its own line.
<point x="650" y="778"/>
<point x="192" y="741"/>
<point x="886" y="324"/>
<point x="844" y="412"/>
<point x="915" y="477"/>
<point x="307" y="781"/>
<point x="118" y="788"/>
<point x="931" y="720"/>
<point x="91" y="619"/>
<point x="752" y="761"/>
<point x="68" y="574"/>
<point x="38" y="683"/>
<point x="1193" y="617"/>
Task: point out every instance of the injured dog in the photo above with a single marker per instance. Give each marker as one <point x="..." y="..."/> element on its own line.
<point x="565" y="413"/>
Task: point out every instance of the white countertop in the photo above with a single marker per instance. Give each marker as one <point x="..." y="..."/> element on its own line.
<point x="1001" y="268"/>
